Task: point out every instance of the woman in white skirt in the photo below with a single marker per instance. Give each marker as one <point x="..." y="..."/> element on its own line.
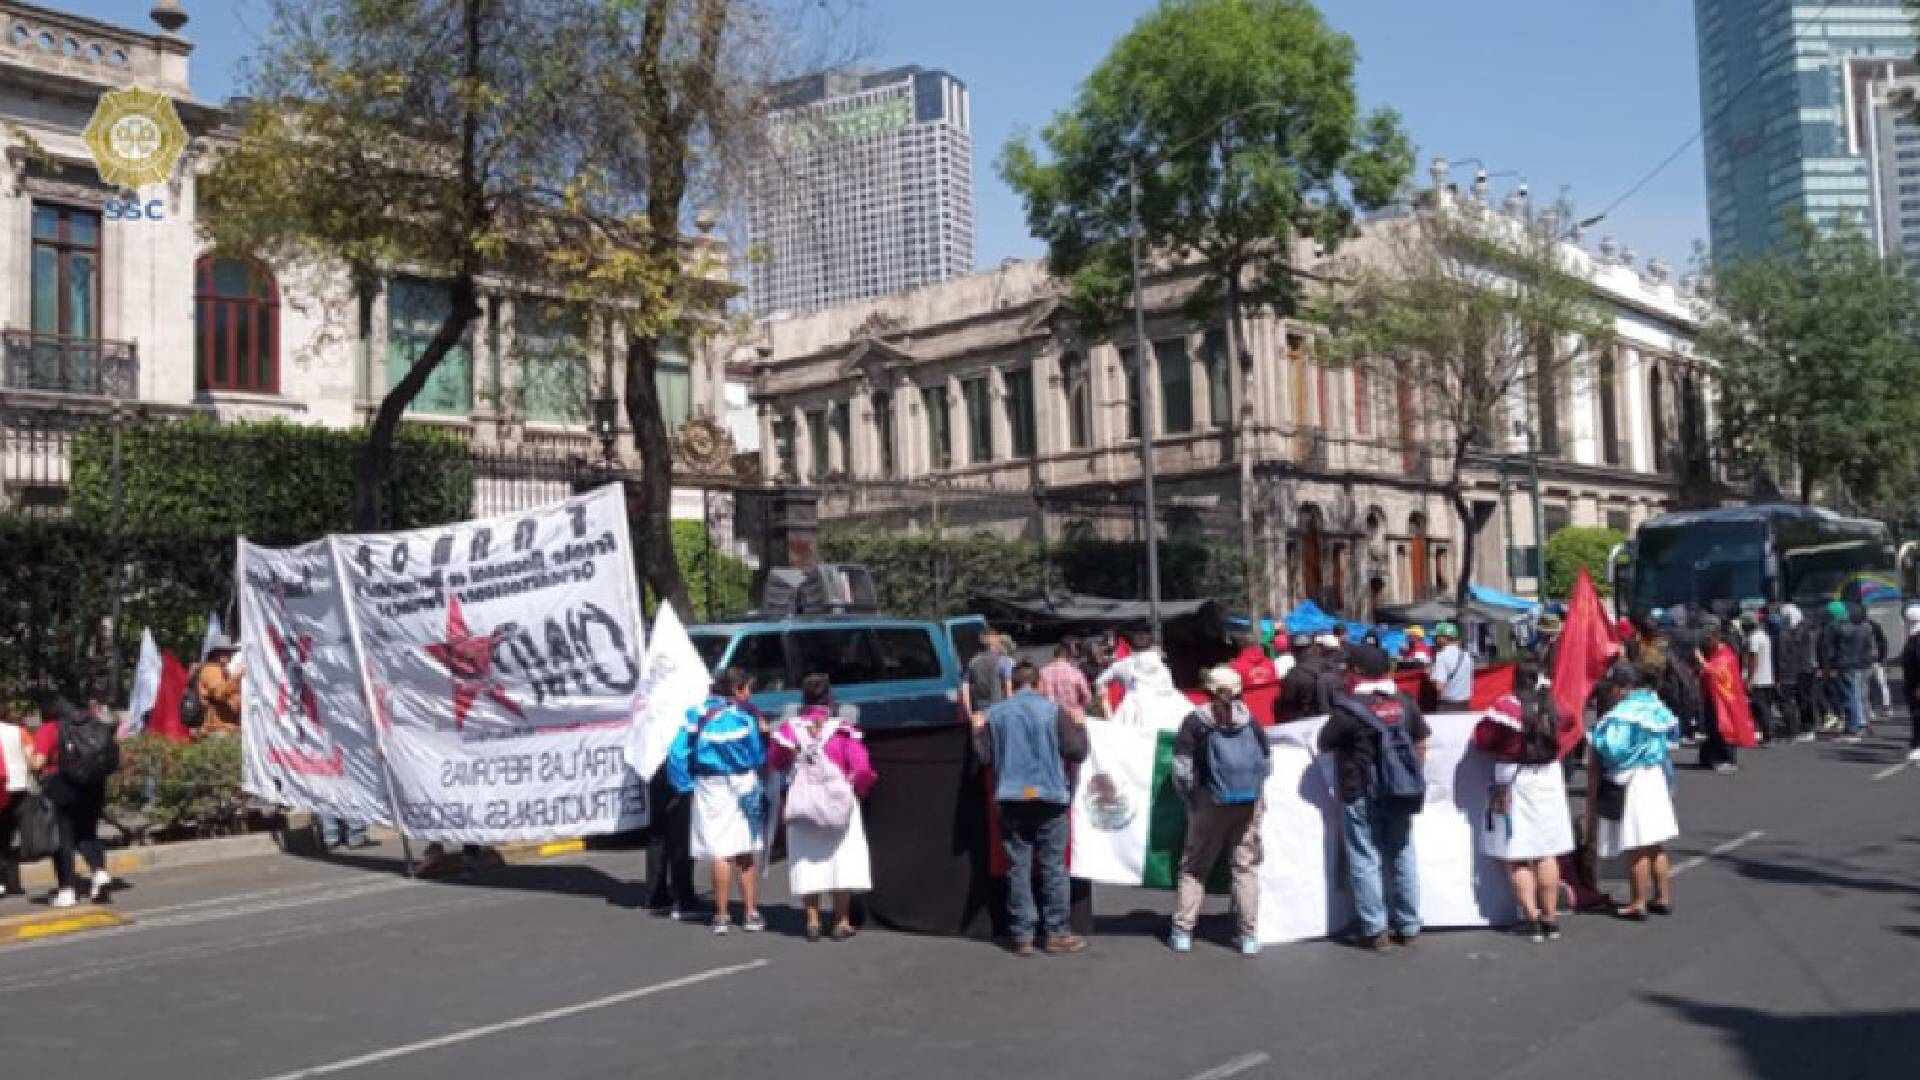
<point x="717" y="757"/>
<point x="1629" y="777"/>
<point x="1527" y="826"/>
<point x="822" y="860"/>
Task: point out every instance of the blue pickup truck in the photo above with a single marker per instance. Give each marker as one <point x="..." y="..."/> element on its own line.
<point x="899" y="672"/>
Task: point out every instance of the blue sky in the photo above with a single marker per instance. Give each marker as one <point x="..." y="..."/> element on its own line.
<point x="1582" y="96"/>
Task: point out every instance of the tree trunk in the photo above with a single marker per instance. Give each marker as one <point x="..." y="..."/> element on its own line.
<point x="1251" y="568"/>
<point x="1469" y="529"/>
<point x="464" y="307"/>
<point x="658" y="566"/>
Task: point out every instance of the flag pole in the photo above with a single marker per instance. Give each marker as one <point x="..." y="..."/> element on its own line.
<point x="374" y="712"/>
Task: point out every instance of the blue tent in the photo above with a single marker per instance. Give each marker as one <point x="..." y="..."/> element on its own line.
<point x="1309" y="619"/>
<point x="1500" y="599"/>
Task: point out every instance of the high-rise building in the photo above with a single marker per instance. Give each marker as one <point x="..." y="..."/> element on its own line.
<point x="1894" y="146"/>
<point x="1786" y="88"/>
<point x="866" y="190"/>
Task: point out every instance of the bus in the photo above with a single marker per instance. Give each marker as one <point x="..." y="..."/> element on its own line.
<point x="1730" y="559"/>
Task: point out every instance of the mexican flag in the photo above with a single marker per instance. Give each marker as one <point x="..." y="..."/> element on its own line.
<point x="1128" y="825"/>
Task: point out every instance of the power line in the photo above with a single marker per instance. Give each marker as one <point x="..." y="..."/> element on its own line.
<point x="1705" y="123"/>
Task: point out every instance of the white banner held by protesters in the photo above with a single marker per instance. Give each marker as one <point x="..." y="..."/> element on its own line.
<point x="306" y="739"/>
<point x="676" y="682"/>
<point x="503" y="656"/>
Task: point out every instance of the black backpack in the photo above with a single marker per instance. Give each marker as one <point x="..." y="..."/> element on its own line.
<point x="89" y="752"/>
<point x="193" y="708"/>
<point x="1539" y="729"/>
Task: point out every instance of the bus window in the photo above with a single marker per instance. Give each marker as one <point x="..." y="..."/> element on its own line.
<point x="1706" y="564"/>
<point x="1841" y="571"/>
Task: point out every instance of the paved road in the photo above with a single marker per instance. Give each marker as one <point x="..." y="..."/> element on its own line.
<point x="1795" y="953"/>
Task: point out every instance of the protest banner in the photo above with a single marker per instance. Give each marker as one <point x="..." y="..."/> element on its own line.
<point x="307" y="741"/>
<point x="502" y="659"/>
<point x="1129" y="827"/>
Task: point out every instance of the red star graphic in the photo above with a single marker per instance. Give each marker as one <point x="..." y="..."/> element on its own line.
<point x="469" y="659"/>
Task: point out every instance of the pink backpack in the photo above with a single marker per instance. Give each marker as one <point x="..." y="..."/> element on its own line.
<point x="819" y="794"/>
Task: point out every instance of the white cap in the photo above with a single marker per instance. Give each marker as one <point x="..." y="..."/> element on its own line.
<point x="1223" y="678"/>
<point x="1327" y="641"/>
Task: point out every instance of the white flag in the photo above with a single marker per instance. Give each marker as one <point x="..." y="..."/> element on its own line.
<point x="146" y="687"/>
<point x="213" y="636"/>
<point x="676" y="680"/>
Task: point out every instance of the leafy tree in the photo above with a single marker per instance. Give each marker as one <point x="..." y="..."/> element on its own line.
<point x="1470" y="312"/>
<point x="381" y="135"/>
<point x="1818" y="364"/>
<point x="1578" y="548"/>
<point x="1238" y="121"/>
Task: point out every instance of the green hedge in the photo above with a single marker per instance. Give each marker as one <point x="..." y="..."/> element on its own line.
<point x="732" y="579"/>
<point x="172" y="787"/>
<point x="1579" y="546"/>
<point x="272" y="482"/>
<point x="923" y="577"/>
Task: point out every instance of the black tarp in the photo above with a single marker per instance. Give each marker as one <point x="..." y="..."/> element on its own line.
<point x="1193" y="632"/>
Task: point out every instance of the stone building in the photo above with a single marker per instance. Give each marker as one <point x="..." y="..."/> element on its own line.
<point x="103" y="313"/>
<point x="981" y="402"/>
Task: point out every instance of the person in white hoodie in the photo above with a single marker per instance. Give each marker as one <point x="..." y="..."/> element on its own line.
<point x="1152" y="701"/>
<point x="17" y="764"/>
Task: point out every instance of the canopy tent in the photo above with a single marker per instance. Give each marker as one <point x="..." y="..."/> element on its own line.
<point x="1194" y="631"/>
<point x="1495" y="598"/>
<point x="1428" y="612"/>
<point x="1308" y="618"/>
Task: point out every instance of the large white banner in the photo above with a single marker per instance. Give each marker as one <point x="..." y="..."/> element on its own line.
<point x="503" y="658"/>
<point x="306" y="739"/>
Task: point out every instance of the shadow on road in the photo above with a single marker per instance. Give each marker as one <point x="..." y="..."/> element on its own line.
<point x="1786" y="1046"/>
<point x="1821" y="873"/>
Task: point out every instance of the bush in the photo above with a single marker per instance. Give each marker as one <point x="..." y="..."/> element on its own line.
<point x="732" y="579"/>
<point x="272" y="482"/>
<point x="170" y="787"/>
<point x="1571" y="549"/>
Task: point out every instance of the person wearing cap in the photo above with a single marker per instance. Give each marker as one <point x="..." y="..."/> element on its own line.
<point x="1220" y="764"/>
<point x="1794" y="668"/>
<point x="1381" y="865"/>
<point x="1419" y="651"/>
<point x="1309" y="689"/>
<point x="1452" y="674"/>
<point x="1846" y="652"/>
<point x="1910" y="680"/>
<point x="217" y="681"/>
<point x="1759" y="673"/>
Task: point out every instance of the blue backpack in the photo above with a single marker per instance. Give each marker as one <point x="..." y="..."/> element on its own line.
<point x="1236" y="764"/>
<point x="1399" y="780"/>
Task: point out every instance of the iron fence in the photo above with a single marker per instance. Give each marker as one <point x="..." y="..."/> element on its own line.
<point x="57" y="363"/>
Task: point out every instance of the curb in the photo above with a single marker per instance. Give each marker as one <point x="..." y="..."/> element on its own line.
<point x="46" y="924"/>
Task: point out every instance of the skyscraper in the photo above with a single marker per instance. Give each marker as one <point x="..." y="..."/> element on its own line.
<point x="867" y="189"/>
<point x="1786" y="90"/>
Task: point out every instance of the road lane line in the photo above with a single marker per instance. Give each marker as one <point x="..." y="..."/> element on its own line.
<point x="1890" y="770"/>
<point x="470" y="1034"/>
<point x="1233" y="1068"/>
<point x="1701" y="860"/>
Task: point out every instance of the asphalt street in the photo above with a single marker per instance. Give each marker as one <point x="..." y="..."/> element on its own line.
<point x="1795" y="952"/>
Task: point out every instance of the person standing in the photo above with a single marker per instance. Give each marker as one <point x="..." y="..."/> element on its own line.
<point x="17" y="764"/>
<point x="1527" y="826"/>
<point x="78" y="754"/>
<point x="1759" y="674"/>
<point x="1910" y="681"/>
<point x="1452" y="673"/>
<point x="1875" y="680"/>
<point x="1378" y="739"/>
<point x="1220" y="764"/>
<point x="821" y="748"/>
<point x="1846" y="652"/>
<point x="984" y="685"/>
<point x="1629" y="767"/>
<point x="716" y="758"/>
<point x="1062" y="683"/>
<point x="1311" y="686"/>
<point x="1030" y="743"/>
<point x="1259" y="679"/>
<point x="1794" y="669"/>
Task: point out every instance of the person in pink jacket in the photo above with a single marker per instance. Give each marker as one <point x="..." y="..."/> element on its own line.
<point x="820" y="859"/>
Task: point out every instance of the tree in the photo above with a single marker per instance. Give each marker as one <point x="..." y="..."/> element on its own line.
<point x="1472" y="313"/>
<point x="1578" y="548"/>
<point x="381" y="135"/>
<point x="1239" y="123"/>
<point x="1819" y="367"/>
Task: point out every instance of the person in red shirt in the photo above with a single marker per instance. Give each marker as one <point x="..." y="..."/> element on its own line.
<point x="1259" y="680"/>
<point x="77" y="808"/>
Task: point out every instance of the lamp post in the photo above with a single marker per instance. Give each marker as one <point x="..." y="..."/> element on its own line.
<point x="606" y="424"/>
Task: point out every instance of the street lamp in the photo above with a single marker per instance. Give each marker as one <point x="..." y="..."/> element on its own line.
<point x="606" y="423"/>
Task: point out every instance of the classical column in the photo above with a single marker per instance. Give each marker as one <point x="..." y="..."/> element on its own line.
<point x="373" y="357"/>
<point x="959" y="445"/>
<point x="998" y="420"/>
<point x="911" y="412"/>
<point x="1050" y="420"/>
<point x="863" y="462"/>
<point x="769" y="453"/>
<point x="803" y="447"/>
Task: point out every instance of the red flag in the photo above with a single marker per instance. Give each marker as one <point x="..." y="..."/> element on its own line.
<point x="1582" y="659"/>
<point x="1115" y="692"/>
<point x="164" y="720"/>
<point x="1720" y="678"/>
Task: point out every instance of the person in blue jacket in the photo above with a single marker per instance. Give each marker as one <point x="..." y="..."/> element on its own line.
<point x="718" y="757"/>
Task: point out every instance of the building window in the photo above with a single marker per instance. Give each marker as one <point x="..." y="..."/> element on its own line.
<point x="883" y="431"/>
<point x="1219" y="376"/>
<point x="66" y="271"/>
<point x="1077" y="382"/>
<point x="1020" y="419"/>
<point x="1619" y="522"/>
<point x="236" y="318"/>
<point x="1131" y="369"/>
<point x="939" y="426"/>
<point x="673" y="383"/>
<point x="552" y="345"/>
<point x="1362" y="405"/>
<point x="840" y="420"/>
<point x="1176" y="386"/>
<point x="817" y="445"/>
<point x="415" y="311"/>
<point x="1610" y="449"/>
<point x="979" y="419"/>
<point x="783" y="445"/>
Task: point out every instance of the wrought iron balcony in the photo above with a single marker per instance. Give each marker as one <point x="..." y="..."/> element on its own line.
<point x="58" y="364"/>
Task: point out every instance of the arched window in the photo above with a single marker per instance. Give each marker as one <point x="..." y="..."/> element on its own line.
<point x="236" y="326"/>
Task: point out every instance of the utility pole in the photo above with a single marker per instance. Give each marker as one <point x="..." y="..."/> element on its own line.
<point x="1144" y="405"/>
<point x="1539" y="520"/>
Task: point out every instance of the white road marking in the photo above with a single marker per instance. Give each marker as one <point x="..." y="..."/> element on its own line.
<point x="1233" y="1068"/>
<point x="470" y="1034"/>
<point x="1890" y="770"/>
<point x="1701" y="860"/>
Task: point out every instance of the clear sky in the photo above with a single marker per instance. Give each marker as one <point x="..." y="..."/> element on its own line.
<point x="1585" y="97"/>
